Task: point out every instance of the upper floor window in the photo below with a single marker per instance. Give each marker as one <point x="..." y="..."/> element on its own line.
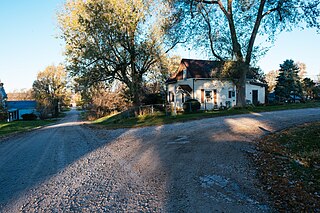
<point x="184" y="74"/>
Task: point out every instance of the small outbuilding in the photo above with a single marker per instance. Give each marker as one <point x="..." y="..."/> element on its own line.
<point x="18" y="108"/>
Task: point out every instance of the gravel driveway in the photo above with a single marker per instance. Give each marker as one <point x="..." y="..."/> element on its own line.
<point x="197" y="166"/>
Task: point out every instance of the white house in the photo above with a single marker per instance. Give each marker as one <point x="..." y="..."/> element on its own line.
<point x="199" y="79"/>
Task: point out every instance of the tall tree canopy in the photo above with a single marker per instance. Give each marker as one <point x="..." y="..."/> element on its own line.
<point x="112" y="39"/>
<point x="288" y="81"/>
<point x="229" y="28"/>
<point x="51" y="88"/>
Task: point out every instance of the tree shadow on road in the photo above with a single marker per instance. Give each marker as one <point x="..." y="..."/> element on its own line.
<point x="198" y="166"/>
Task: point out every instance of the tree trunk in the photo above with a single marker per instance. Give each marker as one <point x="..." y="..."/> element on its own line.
<point x="55" y="110"/>
<point x="241" y="87"/>
<point x="136" y="89"/>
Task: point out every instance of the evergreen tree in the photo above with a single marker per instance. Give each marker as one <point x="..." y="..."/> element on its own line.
<point x="281" y="87"/>
<point x="288" y="81"/>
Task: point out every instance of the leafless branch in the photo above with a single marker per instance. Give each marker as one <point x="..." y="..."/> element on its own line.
<point x="175" y="44"/>
<point x="207" y="20"/>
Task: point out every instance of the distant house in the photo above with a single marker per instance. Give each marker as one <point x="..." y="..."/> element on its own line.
<point x="200" y="79"/>
<point x="18" y="108"/>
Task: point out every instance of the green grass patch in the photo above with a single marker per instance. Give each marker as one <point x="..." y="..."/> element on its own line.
<point x="21" y="126"/>
<point x="289" y="165"/>
<point x="117" y="121"/>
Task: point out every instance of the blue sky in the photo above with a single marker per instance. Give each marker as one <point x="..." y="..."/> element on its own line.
<point x="29" y="43"/>
<point x="298" y="45"/>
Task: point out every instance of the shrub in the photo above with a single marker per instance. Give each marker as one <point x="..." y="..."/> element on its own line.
<point x="3" y="115"/>
<point x="29" y="117"/>
<point x="191" y="105"/>
<point x="153" y="98"/>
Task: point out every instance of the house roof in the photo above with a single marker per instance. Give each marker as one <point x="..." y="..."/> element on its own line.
<point x="197" y="69"/>
<point x="201" y="69"/>
<point x="22" y="104"/>
<point x="185" y="87"/>
<point x="258" y="83"/>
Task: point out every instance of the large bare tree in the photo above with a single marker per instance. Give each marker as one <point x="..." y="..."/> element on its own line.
<point x="110" y="40"/>
<point x="229" y="28"/>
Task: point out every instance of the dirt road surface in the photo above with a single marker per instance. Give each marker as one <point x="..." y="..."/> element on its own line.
<point x="197" y="166"/>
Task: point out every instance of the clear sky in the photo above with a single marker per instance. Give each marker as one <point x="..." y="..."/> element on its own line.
<point x="298" y="45"/>
<point x="29" y="43"/>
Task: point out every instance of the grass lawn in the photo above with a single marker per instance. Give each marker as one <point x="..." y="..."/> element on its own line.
<point x="21" y="126"/>
<point x="116" y="121"/>
<point x="289" y="167"/>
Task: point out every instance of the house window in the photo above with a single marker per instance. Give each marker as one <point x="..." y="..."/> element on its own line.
<point x="182" y="97"/>
<point x="208" y="96"/>
<point x="184" y="74"/>
<point x="231" y="94"/>
<point x="171" y="97"/>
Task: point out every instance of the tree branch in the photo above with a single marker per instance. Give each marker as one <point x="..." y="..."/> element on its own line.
<point x="207" y="20"/>
<point x="208" y="2"/>
<point x="255" y="31"/>
<point x="270" y="11"/>
<point x="175" y="44"/>
<point x="228" y="14"/>
<point x="235" y="44"/>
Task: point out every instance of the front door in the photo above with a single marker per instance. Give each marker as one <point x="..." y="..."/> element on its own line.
<point x="255" y="97"/>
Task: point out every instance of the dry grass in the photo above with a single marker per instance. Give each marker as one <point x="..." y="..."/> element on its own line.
<point x="289" y="167"/>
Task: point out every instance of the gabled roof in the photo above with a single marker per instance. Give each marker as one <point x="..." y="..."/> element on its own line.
<point x="185" y="87"/>
<point x="258" y="83"/>
<point x="197" y="69"/>
<point x="22" y="104"/>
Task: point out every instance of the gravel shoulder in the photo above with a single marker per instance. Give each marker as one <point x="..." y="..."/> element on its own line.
<point x="197" y="166"/>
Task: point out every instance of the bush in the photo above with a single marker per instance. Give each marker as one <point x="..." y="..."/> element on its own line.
<point x="191" y="105"/>
<point x="3" y="116"/>
<point x="154" y="98"/>
<point x="29" y="117"/>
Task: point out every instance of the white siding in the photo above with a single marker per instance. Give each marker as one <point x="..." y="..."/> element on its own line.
<point x="261" y="93"/>
<point x="222" y="88"/>
<point x="222" y="95"/>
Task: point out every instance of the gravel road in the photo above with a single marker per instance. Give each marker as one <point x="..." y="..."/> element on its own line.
<point x="197" y="166"/>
